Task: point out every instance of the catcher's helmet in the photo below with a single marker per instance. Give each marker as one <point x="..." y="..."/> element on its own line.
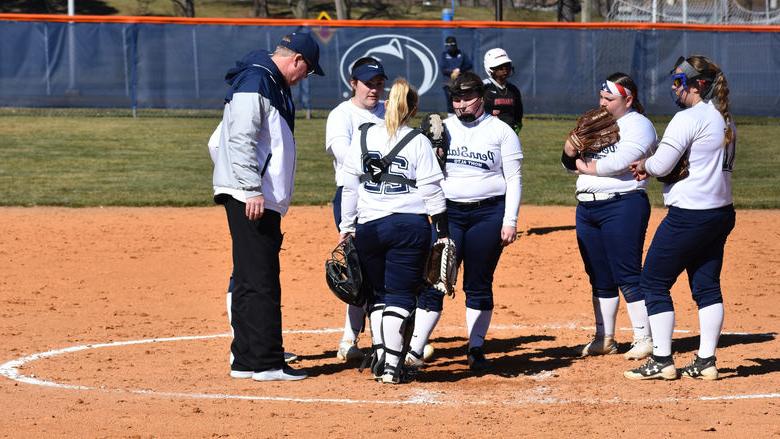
<point x="344" y="276"/>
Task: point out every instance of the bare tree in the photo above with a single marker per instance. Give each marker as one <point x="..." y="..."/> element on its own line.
<point x="261" y="8"/>
<point x="185" y="7"/>
<point x="342" y="13"/>
<point x="301" y="8"/>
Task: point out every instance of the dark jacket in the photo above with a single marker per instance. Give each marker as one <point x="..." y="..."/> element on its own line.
<point x="505" y="103"/>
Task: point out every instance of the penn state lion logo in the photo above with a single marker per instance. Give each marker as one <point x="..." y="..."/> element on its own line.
<point x="400" y="55"/>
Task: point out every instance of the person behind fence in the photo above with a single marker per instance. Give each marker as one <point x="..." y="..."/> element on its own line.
<point x="391" y="186"/>
<point x="612" y="216"/>
<point x="453" y="63"/>
<point x="502" y="98"/>
<point x="483" y="186"/>
<point x="695" y="159"/>
<point x="253" y="174"/>
<point x="367" y="80"/>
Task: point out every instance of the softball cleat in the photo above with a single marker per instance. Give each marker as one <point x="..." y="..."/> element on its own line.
<point x="701" y="369"/>
<point x="600" y="345"/>
<point x="653" y="370"/>
<point x="641" y="348"/>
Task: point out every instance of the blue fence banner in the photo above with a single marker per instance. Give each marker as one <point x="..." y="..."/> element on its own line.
<point x="558" y="70"/>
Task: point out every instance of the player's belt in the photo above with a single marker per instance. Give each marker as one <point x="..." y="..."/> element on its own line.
<point x="476" y="204"/>
<point x="601" y="196"/>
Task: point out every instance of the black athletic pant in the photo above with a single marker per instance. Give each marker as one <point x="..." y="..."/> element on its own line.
<point x="257" y="293"/>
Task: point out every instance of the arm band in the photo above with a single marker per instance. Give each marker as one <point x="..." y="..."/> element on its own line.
<point x="441" y="225"/>
<point x="569" y="163"/>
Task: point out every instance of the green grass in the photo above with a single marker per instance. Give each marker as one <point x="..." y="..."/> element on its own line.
<point x="106" y="158"/>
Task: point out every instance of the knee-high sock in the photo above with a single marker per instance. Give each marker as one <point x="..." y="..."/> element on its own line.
<point x="605" y="310"/>
<point x="392" y="320"/>
<point x="424" y="322"/>
<point x="353" y="323"/>
<point x="375" y="320"/>
<point x="662" y="327"/>
<point x="710" y="325"/>
<point x="637" y="312"/>
<point x="477" y="322"/>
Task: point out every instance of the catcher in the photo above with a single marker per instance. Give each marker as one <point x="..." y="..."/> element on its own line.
<point x="391" y="187"/>
<point x="482" y="158"/>
<point x="613" y="210"/>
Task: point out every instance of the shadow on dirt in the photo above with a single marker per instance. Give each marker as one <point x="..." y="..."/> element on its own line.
<point x="762" y="366"/>
<point x="509" y="357"/>
<point x="691" y="343"/>
<point x="546" y="230"/>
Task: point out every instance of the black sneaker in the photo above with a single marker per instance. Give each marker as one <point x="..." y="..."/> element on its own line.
<point x="477" y="360"/>
<point x="653" y="370"/>
<point x="701" y="369"/>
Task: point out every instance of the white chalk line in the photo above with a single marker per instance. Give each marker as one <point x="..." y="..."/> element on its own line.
<point x="10" y="370"/>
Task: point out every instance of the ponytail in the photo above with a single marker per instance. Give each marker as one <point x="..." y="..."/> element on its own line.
<point x="721" y="98"/>
<point x="720" y="90"/>
<point x="401" y="105"/>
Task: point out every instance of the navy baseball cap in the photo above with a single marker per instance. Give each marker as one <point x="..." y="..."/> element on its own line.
<point x="304" y="44"/>
<point x="368" y="71"/>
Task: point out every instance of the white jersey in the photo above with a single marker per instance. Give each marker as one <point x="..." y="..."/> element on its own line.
<point x="478" y="163"/>
<point x="700" y="132"/>
<point x="637" y="140"/>
<point x="343" y="123"/>
<point x="477" y="151"/>
<point x="416" y="161"/>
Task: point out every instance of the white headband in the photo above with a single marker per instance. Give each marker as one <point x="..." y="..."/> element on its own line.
<point x="615" y="89"/>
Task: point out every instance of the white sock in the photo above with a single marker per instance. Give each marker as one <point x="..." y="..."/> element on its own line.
<point x="710" y="325"/>
<point x="637" y="312"/>
<point x="424" y="322"/>
<point x="375" y="320"/>
<point x="477" y="322"/>
<point x="605" y="309"/>
<point x="392" y="320"/>
<point x="353" y="323"/>
<point x="662" y="327"/>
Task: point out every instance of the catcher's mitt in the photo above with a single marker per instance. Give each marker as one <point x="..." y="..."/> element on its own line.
<point x="344" y="276"/>
<point x="595" y="129"/>
<point x="441" y="270"/>
<point x="433" y="128"/>
<point x="679" y="172"/>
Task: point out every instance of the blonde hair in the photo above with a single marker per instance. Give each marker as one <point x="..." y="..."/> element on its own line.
<point x="720" y="89"/>
<point x="401" y="105"/>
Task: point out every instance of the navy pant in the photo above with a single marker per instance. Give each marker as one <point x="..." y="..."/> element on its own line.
<point x="691" y="240"/>
<point x="393" y="251"/>
<point x="611" y="235"/>
<point x="476" y="232"/>
<point x="257" y="293"/>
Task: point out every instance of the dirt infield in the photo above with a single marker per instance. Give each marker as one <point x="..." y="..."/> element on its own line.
<point x="103" y="282"/>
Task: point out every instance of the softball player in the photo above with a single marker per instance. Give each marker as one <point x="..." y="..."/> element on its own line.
<point x="612" y="216"/>
<point x="701" y="215"/>
<point x="502" y="98"/>
<point x="368" y="85"/>
<point x="483" y="186"/>
<point x="390" y="202"/>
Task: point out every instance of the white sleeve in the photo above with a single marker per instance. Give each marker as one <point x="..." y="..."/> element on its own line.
<point x="214" y="142"/>
<point x="617" y="162"/>
<point x="433" y="198"/>
<point x="349" y="200"/>
<point x="510" y="144"/>
<point x="247" y="116"/>
<point x="663" y="161"/>
<point x="427" y="169"/>
<point x="513" y="175"/>
<point x="677" y="137"/>
<point x="338" y="135"/>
